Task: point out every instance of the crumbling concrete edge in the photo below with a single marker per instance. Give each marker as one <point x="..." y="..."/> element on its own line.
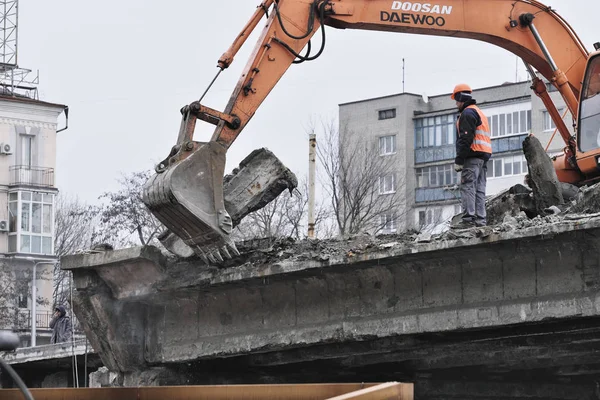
<point x="112" y="257"/>
<point x="388" y="252"/>
<point x="250" y="272"/>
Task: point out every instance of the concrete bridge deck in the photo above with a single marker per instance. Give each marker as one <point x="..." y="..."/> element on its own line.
<point x="48" y="352"/>
<point x="501" y="313"/>
<point x="52" y="365"/>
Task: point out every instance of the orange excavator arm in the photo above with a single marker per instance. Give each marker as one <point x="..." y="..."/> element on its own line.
<point x="187" y="195"/>
<point x="505" y="23"/>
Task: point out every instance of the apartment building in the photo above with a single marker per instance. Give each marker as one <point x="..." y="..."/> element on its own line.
<point x="28" y="131"/>
<point x="418" y="132"/>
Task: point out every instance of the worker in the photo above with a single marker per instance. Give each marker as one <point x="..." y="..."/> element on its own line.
<point x="473" y="150"/>
<point x="60" y="325"/>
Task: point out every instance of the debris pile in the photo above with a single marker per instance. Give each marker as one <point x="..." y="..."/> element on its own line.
<point x="542" y="200"/>
<point x="514" y="209"/>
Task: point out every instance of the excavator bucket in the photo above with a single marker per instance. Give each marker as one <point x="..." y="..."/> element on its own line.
<point x="187" y="197"/>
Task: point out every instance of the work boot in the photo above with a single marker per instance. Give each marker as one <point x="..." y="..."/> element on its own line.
<point x="463" y="225"/>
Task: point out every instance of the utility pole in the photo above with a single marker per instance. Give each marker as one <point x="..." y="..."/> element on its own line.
<point x="403" y="75"/>
<point x="312" y="152"/>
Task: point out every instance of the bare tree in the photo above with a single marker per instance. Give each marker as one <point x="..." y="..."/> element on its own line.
<point x="74" y="226"/>
<point x="15" y="294"/>
<point x="8" y="295"/>
<point x="285" y="216"/>
<point x="124" y="219"/>
<point x="364" y="186"/>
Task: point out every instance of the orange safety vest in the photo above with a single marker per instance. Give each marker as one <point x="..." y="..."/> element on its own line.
<point x="483" y="139"/>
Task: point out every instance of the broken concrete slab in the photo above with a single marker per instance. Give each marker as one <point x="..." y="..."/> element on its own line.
<point x="257" y="181"/>
<point x="542" y="178"/>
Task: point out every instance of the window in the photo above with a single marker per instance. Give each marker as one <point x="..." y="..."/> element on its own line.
<point x="387" y="144"/>
<point x="387" y="184"/>
<point x="457" y="209"/>
<point x="387" y="114"/>
<point x="513" y="123"/>
<point x="589" y="118"/>
<point x="507" y="166"/>
<point x="437" y="175"/>
<point x="551" y="88"/>
<point x="31" y="222"/>
<point x="549" y="122"/>
<point x="388" y="223"/>
<point x="435" y="131"/>
<point x="22" y="290"/>
<point x="27" y="150"/>
<point x="431" y="216"/>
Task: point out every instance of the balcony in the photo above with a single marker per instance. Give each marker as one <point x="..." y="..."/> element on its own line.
<point x="424" y="195"/>
<point x="23" y="175"/>
<point x="448" y="152"/>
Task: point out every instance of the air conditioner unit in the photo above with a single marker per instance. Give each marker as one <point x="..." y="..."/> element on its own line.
<point x="3" y="226"/>
<point x="5" y="148"/>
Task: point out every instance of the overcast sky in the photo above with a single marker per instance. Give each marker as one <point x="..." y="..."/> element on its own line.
<point x="126" y="67"/>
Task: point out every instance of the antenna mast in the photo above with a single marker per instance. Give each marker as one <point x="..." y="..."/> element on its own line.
<point x="403" y="75"/>
<point x="14" y="81"/>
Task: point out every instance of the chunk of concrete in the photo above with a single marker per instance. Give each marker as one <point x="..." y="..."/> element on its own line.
<point x="258" y="180"/>
<point x="510" y="202"/>
<point x="587" y="200"/>
<point x="542" y="178"/>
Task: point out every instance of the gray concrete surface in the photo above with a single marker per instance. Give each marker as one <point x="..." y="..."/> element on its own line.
<point x="51" y="366"/>
<point x="47" y="352"/>
<point x="509" y="306"/>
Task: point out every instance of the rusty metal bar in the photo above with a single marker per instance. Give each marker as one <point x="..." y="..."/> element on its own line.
<point x="384" y="391"/>
<point x="234" y="392"/>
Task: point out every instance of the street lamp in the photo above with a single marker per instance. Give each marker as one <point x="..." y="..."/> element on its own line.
<point x="34" y="296"/>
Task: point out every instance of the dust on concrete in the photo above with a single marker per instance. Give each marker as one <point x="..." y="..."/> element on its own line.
<point x="272" y="250"/>
<point x="509" y="217"/>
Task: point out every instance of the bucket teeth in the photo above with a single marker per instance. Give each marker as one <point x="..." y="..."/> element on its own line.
<point x="218" y="256"/>
<point x="211" y="258"/>
<point x="225" y="252"/>
<point x="233" y="249"/>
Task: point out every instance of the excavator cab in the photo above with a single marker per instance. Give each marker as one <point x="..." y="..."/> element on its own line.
<point x="589" y="108"/>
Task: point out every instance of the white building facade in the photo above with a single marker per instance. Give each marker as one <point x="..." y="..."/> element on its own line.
<point x="28" y="130"/>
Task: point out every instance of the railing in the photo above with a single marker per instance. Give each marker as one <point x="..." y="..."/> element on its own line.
<point x="448" y="152"/>
<point x="42" y="321"/>
<point x="35" y="176"/>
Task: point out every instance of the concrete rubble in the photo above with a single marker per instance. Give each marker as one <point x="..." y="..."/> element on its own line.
<point x="544" y="200"/>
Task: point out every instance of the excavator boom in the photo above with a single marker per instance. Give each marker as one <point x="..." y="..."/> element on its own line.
<point x="527" y="28"/>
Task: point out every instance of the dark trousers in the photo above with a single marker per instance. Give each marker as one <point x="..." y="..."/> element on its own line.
<point x="473" y="179"/>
